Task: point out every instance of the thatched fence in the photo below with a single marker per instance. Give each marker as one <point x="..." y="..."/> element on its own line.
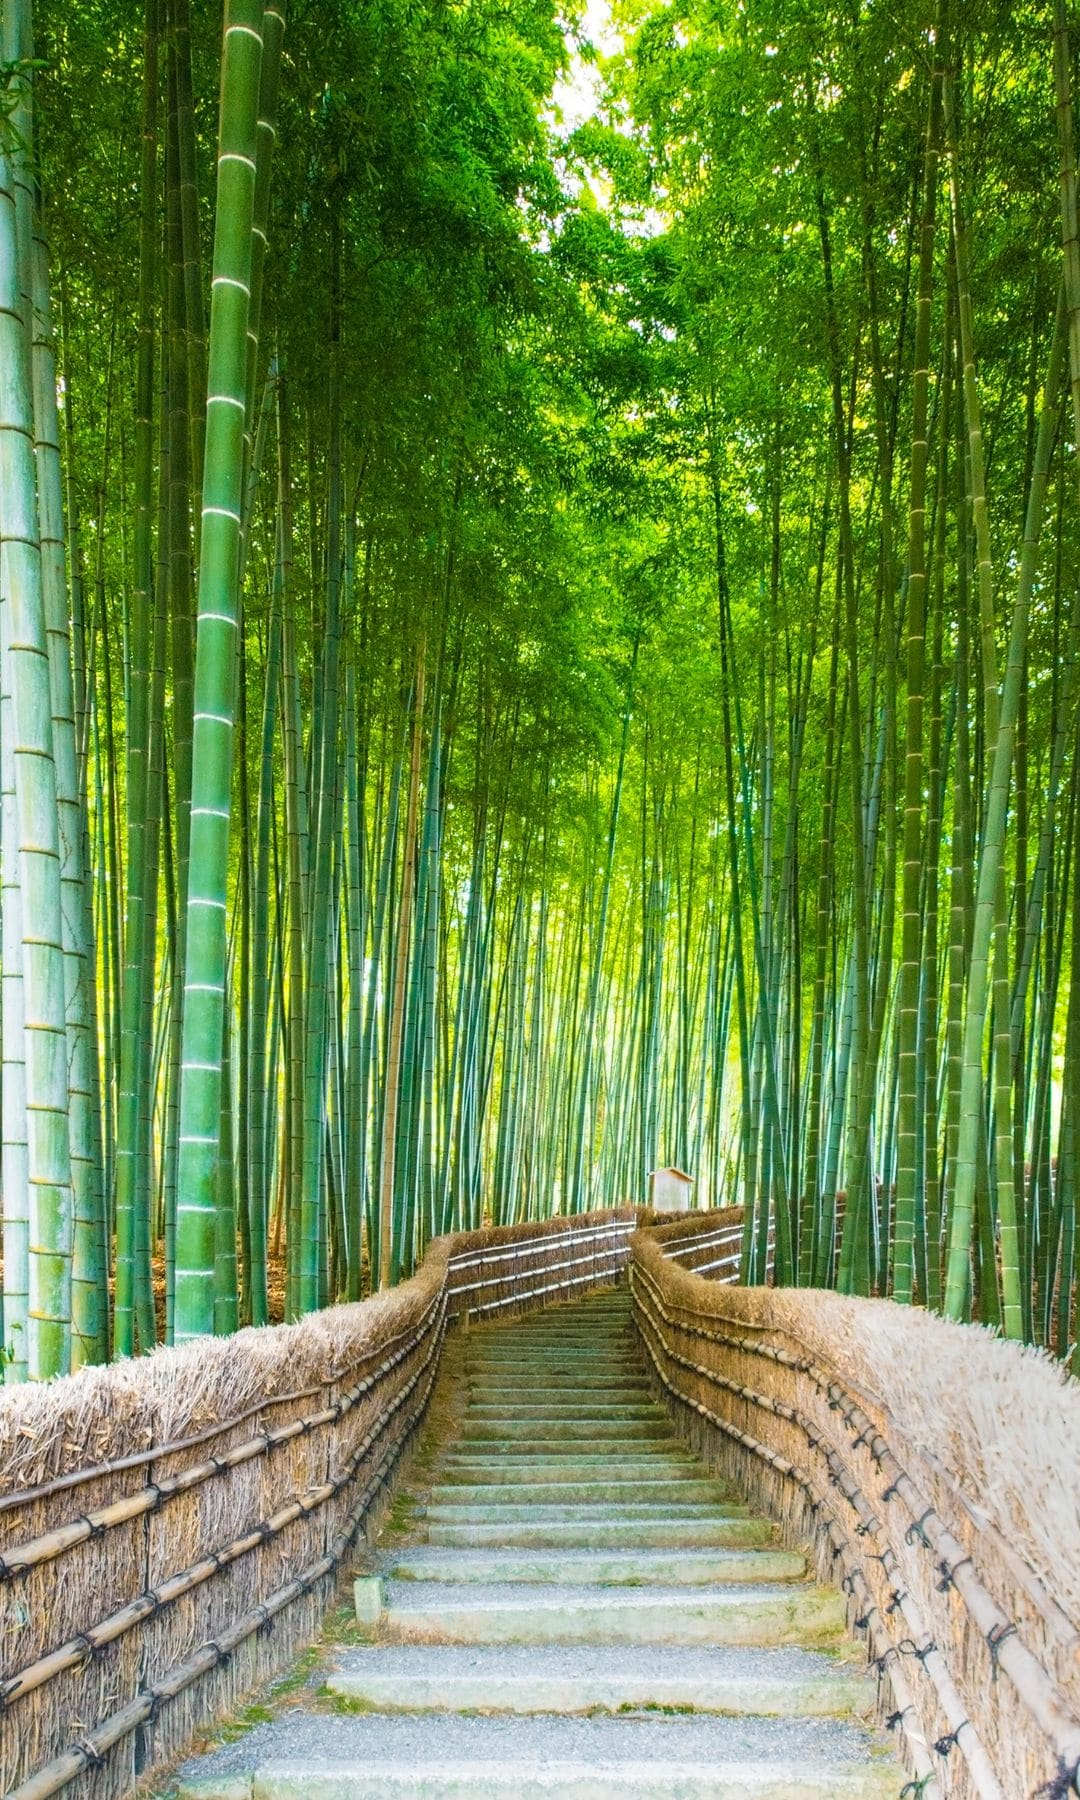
<point x="934" y="1469"/>
<point x="171" y="1528"/>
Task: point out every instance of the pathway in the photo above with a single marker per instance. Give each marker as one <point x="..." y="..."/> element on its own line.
<point x="583" y="1612"/>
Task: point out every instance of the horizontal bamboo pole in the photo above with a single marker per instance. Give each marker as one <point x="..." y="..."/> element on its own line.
<point x="45" y="1490"/>
<point x="121" y="1465"/>
<point x="822" y="1508"/>
<point x="51" y="1544"/>
<point x="924" y="1528"/>
<point x="532" y="1266"/>
<point x="148" y="1605"/>
<point x="570" y="1262"/>
<point x="89" y="1751"/>
<point x="538" y="1246"/>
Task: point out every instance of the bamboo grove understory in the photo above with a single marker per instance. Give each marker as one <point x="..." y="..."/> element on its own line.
<point x="537" y="639"/>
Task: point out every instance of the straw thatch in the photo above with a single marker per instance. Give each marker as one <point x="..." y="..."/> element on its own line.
<point x="930" y="1466"/>
<point x="171" y="1528"/>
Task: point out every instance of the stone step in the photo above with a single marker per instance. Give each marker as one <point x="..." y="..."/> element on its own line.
<point x="315" y="1757"/>
<point x="528" y="1493"/>
<point x="523" y="1614"/>
<point x="555" y="1431"/>
<point x="559" y="1679"/>
<point x="484" y="1410"/>
<point x="534" y="1371"/>
<point x="590" y="1379"/>
<point x="622" y="1448"/>
<point x="589" y="1346"/>
<point x="629" y="1567"/>
<point x="615" y="1327"/>
<point x="597" y="1387"/>
<point x="474" y="1469"/>
<point x="592" y="1512"/>
<point x="581" y="1357"/>
<point x="658" y="1531"/>
<point x="558" y="1780"/>
<point x="522" y="1457"/>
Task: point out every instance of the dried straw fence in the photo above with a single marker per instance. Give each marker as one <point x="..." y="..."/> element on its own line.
<point x="935" y="1471"/>
<point x="171" y="1528"/>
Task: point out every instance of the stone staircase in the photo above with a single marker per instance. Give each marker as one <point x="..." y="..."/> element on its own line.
<point x="584" y="1613"/>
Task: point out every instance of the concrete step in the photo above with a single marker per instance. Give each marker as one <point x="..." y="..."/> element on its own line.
<point x="554" y="1431"/>
<point x="630" y="1567"/>
<point x="572" y="1447"/>
<point x="671" y="1447"/>
<point x="527" y="1493"/>
<point x="524" y="1396"/>
<point x="617" y="1357"/>
<point x="657" y="1531"/>
<point x="615" y="1336"/>
<point x="537" y="1470"/>
<point x="591" y="1512"/>
<point x="614" y="1329"/>
<point x="535" y="1371"/>
<point x="626" y="1377"/>
<point x="583" y="1358"/>
<point x="524" y="1614"/>
<point x="474" y="1469"/>
<point x="315" y="1757"/>
<point x="560" y="1679"/>
<point x="542" y="1411"/>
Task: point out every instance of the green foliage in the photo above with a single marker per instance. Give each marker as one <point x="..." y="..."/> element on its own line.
<point x="605" y="424"/>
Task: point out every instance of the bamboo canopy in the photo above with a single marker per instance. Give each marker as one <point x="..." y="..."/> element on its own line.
<point x="537" y="633"/>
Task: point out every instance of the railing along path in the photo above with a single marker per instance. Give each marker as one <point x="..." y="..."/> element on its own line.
<point x="172" y="1529"/>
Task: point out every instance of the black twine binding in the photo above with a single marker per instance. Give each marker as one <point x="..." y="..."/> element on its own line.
<point x="92" y="1757"/>
<point x="949" y="1573"/>
<point x="1061" y="1785"/>
<point x="916" y="1531"/>
<point x="944" y="1744"/>
<point x="995" y="1637"/>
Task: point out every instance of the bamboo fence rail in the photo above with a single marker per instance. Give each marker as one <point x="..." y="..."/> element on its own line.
<point x="931" y="1467"/>
<point x="171" y="1528"/>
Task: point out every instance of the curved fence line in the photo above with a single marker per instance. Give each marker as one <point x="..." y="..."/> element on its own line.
<point x="914" y="1456"/>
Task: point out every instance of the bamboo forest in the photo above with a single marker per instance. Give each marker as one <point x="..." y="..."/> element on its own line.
<point x="538" y="640"/>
